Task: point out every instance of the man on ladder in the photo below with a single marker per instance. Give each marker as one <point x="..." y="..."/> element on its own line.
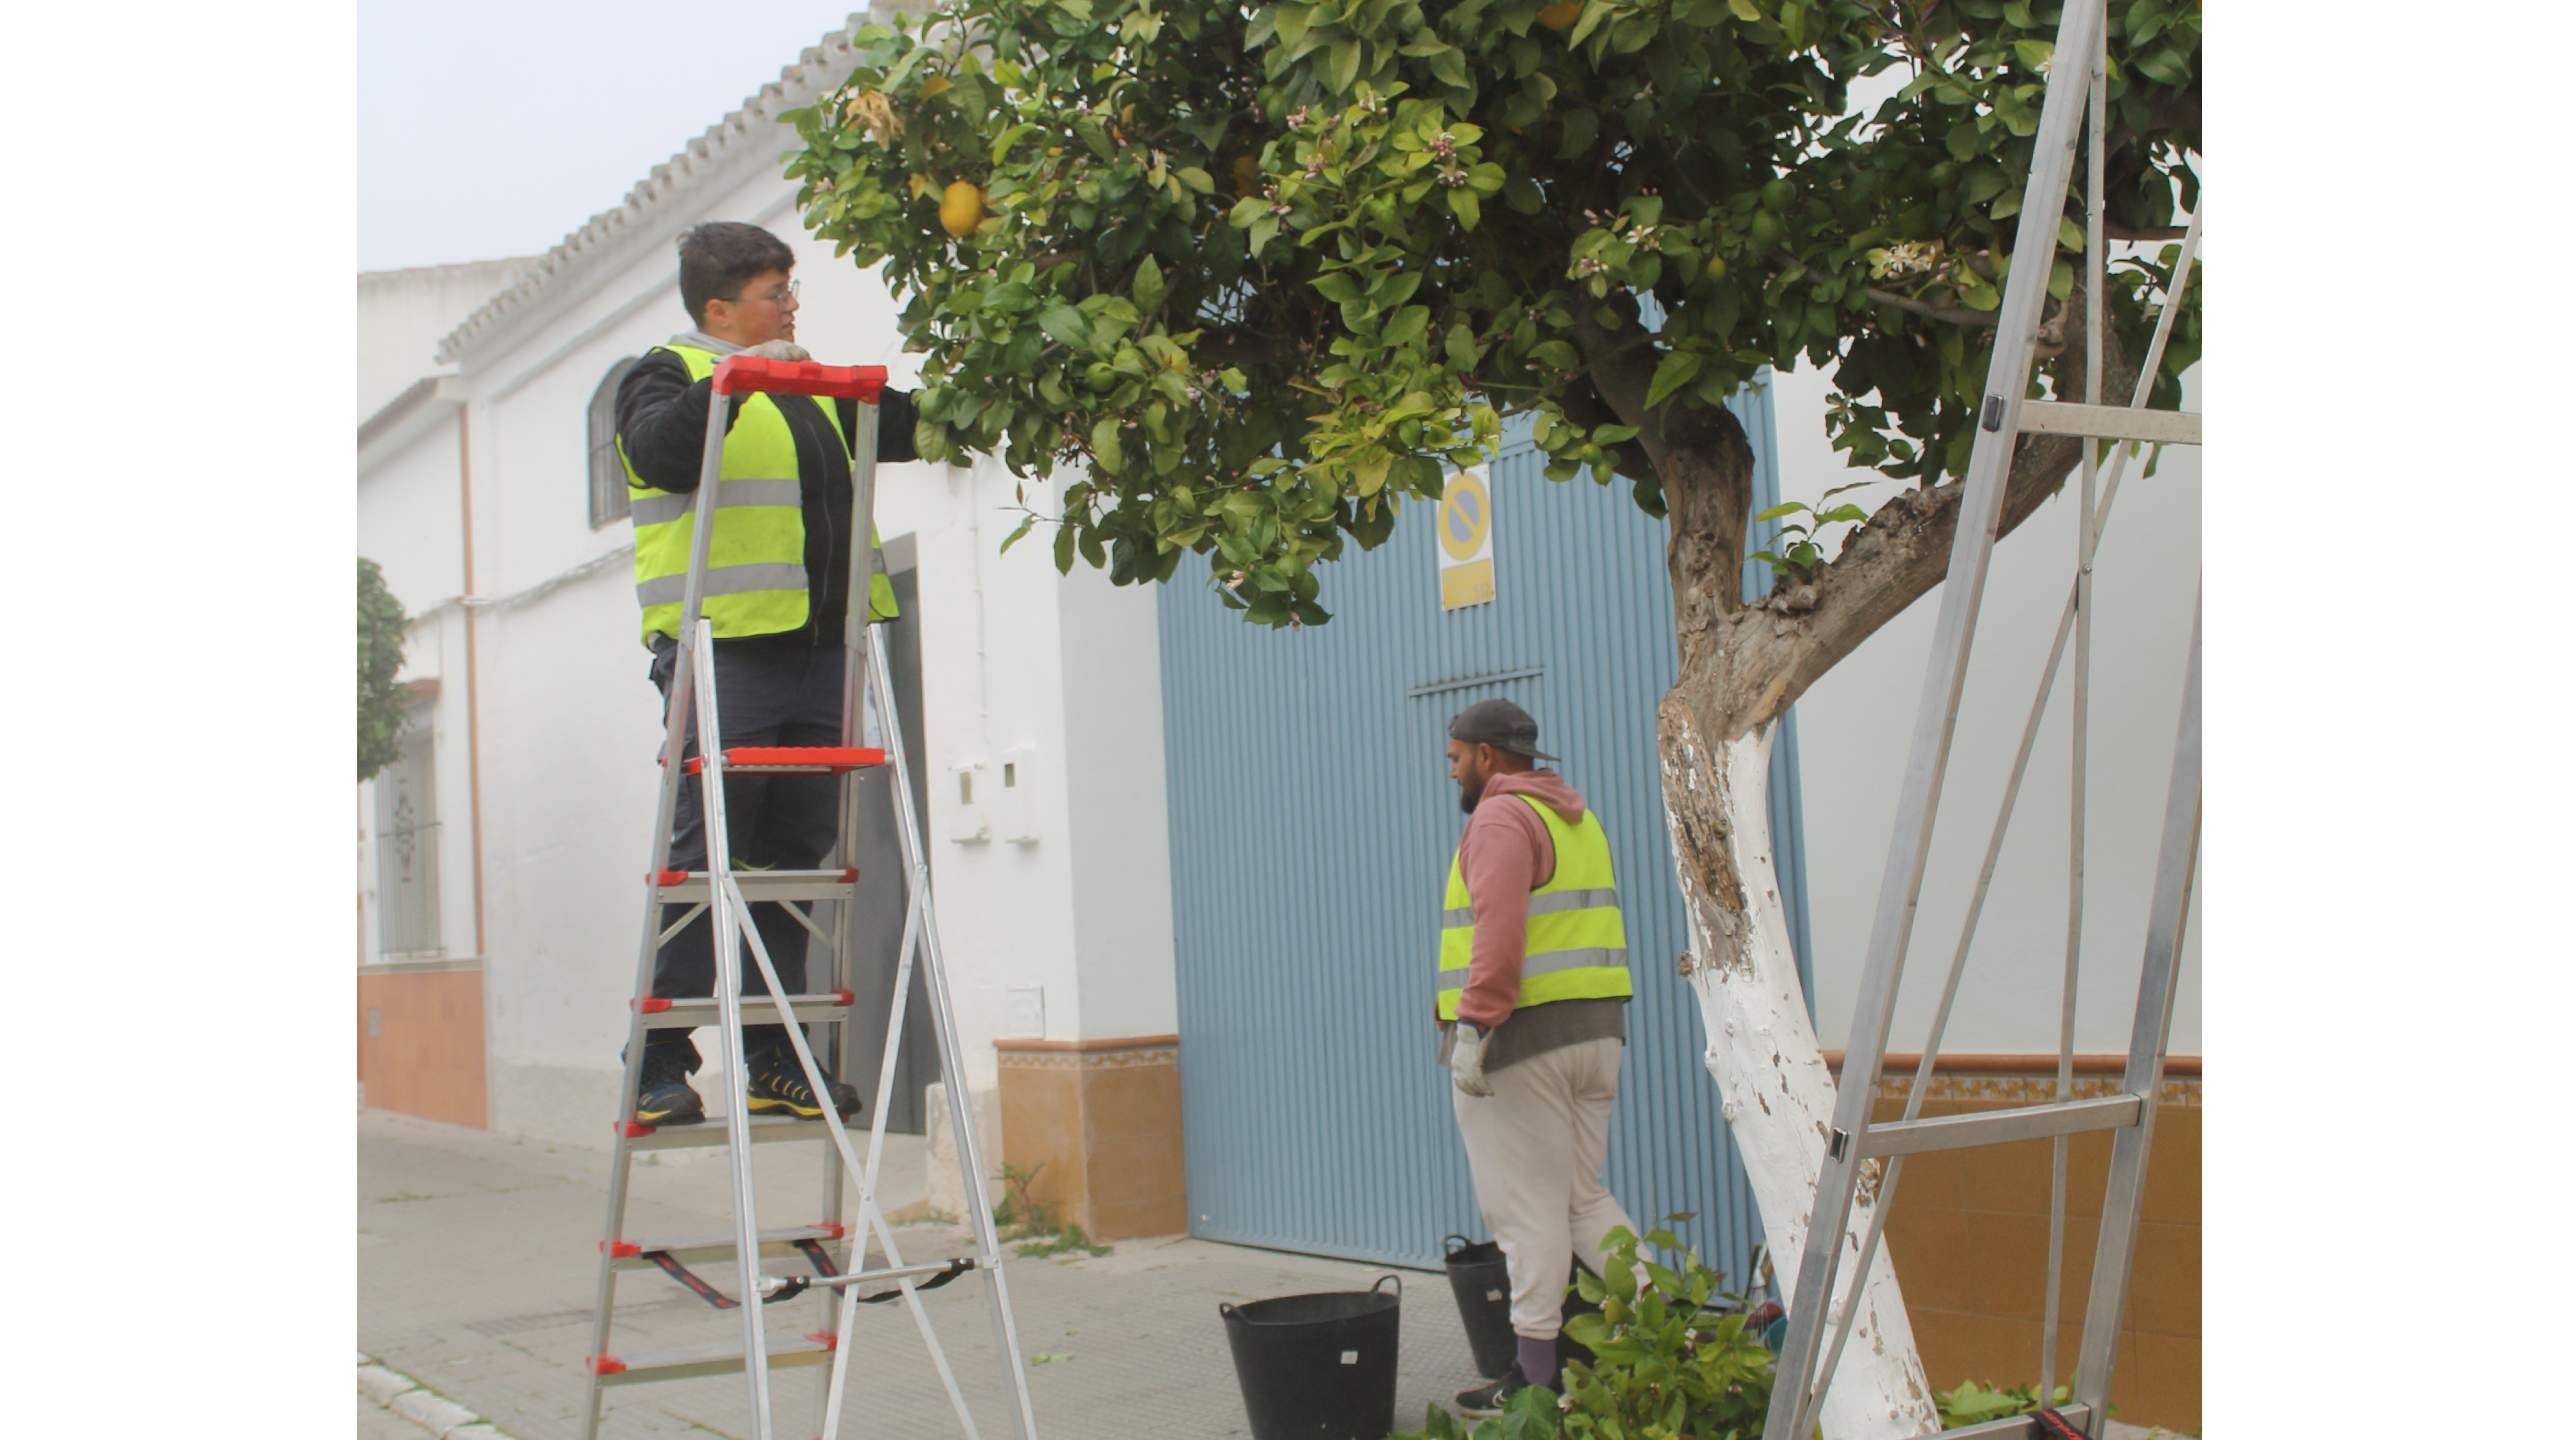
<point x="776" y="599"/>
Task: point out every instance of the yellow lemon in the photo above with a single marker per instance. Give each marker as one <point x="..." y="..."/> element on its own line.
<point x="961" y="209"/>
<point x="1715" y="267"/>
<point x="1561" y="15"/>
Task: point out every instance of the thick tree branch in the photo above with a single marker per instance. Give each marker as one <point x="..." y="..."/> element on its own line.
<point x="1622" y="373"/>
<point x="1951" y="314"/>
<point x="1794" y="636"/>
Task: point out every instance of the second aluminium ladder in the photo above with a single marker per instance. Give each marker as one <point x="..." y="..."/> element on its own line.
<point x="1857" y="1147"/>
<point x="721" y="896"/>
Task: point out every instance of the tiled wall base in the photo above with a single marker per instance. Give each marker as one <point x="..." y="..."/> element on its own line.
<point x="1968" y="1234"/>
<point x="419" y="1047"/>
<point x="1101" y="1120"/>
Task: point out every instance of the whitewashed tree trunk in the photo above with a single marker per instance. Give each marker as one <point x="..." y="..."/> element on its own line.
<point x="1778" y="1093"/>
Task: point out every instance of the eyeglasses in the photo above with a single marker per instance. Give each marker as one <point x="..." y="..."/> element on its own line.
<point x="789" y="293"/>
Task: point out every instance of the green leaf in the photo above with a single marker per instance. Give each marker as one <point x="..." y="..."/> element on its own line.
<point x="1615" y="435"/>
<point x="1407" y="327"/>
<point x="1463" y="204"/>
<point x="1743" y="10"/>
<point x="1106" y="446"/>
<point x="1066" y="325"/>
<point x="1147" y="287"/>
<point x="1196" y="178"/>
<point x="1345" y="60"/>
<point x="1018" y="532"/>
<point x="1676" y="370"/>
<point x="1263" y="230"/>
<point x="1460" y="343"/>
<point x="2059" y="285"/>
<point x="1064" y="551"/>
<point x="1233" y="379"/>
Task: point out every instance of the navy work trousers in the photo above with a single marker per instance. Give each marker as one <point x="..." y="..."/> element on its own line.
<point x="771" y="693"/>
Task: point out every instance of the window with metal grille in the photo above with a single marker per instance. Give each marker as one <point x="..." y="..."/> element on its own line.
<point x="608" y="489"/>
<point x="406" y="841"/>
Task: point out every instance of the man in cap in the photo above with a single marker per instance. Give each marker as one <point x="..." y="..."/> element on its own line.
<point x="1533" y="991"/>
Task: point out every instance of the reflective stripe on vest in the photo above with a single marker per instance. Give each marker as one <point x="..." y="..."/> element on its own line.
<point x="1576" y="942"/>
<point x="757" y="582"/>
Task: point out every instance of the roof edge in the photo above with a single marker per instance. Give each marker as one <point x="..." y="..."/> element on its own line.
<point x="431" y="393"/>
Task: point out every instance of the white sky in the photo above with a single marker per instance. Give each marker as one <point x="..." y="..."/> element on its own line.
<point x="486" y="130"/>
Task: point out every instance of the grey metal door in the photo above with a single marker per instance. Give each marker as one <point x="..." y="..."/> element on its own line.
<point x="880" y="901"/>
<point x="1312" y="823"/>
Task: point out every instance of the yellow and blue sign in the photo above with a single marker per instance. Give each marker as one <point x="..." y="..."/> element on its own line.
<point x="1465" y="524"/>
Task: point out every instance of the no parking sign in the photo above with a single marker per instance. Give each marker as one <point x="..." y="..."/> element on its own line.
<point x="1466" y="541"/>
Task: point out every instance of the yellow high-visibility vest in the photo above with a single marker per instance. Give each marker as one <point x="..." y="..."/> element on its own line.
<point x="1576" y="940"/>
<point x="758" y="580"/>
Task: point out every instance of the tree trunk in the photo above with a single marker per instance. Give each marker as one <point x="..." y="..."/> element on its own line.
<point x="1715" y="728"/>
<point x="1767" y="1061"/>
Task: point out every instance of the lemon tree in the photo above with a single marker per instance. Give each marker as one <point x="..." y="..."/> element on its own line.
<point x="1245" y="278"/>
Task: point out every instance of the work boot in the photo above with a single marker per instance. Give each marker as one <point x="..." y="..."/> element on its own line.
<point x="776" y="1085"/>
<point x="1487" y="1400"/>
<point x="666" y="1096"/>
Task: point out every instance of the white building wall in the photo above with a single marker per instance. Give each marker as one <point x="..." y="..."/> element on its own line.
<point x="1855" y="729"/>
<point x="401" y="314"/>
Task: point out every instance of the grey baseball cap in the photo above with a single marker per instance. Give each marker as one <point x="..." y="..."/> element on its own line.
<point x="1500" y="724"/>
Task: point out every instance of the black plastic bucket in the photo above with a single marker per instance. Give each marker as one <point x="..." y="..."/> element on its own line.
<point x="1318" y="1367"/>
<point x="1481" y="1280"/>
<point x="1482" y="1283"/>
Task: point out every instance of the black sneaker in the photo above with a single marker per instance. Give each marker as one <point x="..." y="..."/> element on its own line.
<point x="666" y="1097"/>
<point x="1487" y="1400"/>
<point x="776" y="1085"/>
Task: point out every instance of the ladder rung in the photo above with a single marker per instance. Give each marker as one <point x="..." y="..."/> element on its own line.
<point x="776" y="1244"/>
<point x="696" y="1361"/>
<point x="2111" y="422"/>
<point x="1999" y="1127"/>
<point x="794" y="759"/>
<point x="679" y="885"/>
<point x="894" y="1272"/>
<point x="714" y="1131"/>
<point x="691" y="1012"/>
<point x="2019" y="1427"/>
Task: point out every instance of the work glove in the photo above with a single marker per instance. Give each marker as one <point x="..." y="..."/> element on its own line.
<point x="1466" y="1062"/>
<point x="776" y="350"/>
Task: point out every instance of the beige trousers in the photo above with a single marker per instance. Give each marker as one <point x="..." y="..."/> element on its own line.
<point x="1536" y="1147"/>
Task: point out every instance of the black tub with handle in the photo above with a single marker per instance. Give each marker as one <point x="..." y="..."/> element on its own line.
<point x="1318" y="1367"/>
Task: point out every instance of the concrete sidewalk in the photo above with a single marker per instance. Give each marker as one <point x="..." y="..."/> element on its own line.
<point x="476" y="1269"/>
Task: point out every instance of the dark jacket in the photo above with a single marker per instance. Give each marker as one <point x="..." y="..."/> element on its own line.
<point x="660" y="413"/>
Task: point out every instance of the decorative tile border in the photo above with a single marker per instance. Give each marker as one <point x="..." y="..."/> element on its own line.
<point x="2029" y="1079"/>
<point x="1131" y="1053"/>
<point x="2032" y="1090"/>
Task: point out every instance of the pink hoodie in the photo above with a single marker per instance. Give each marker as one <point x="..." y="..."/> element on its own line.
<point x="1504" y="854"/>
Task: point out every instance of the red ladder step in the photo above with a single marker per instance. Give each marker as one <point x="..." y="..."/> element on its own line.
<point x="794" y="759"/>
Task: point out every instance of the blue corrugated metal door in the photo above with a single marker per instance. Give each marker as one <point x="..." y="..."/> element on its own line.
<point x="1312" y="824"/>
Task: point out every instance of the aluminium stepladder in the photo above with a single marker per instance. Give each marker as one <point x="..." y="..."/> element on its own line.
<point x="1855" y="1144"/>
<point x="720" y="896"/>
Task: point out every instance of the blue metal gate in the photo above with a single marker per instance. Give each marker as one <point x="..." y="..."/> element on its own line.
<point x="1312" y="824"/>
